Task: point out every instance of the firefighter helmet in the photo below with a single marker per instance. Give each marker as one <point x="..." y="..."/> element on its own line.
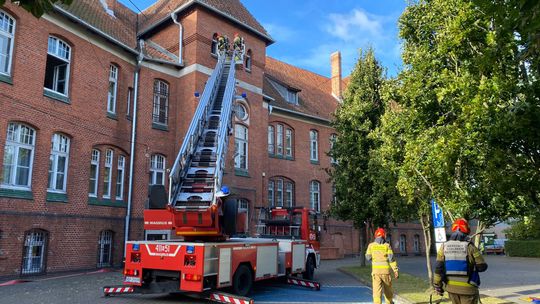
<point x="380" y="233"/>
<point x="462" y="225"/>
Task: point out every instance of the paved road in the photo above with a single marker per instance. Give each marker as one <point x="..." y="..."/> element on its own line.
<point x="77" y="288"/>
<point x="507" y="277"/>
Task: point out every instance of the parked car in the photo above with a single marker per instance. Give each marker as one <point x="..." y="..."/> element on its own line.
<point x="496" y="248"/>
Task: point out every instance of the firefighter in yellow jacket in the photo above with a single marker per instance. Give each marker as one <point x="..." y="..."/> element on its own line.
<point x="458" y="265"/>
<point x="383" y="260"/>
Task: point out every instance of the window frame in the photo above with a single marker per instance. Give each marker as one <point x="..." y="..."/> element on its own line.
<point x="94" y="162"/>
<point x="241" y="144"/>
<point x="159" y="96"/>
<point x="214" y="45"/>
<point x="156" y="159"/>
<point x="113" y="79"/>
<point x="67" y="60"/>
<point x="27" y="256"/>
<point x="120" y="177"/>
<point x="271" y="140"/>
<point x="289" y="193"/>
<point x="278" y="192"/>
<point x="107" y="178"/>
<point x="56" y="153"/>
<point x="245" y="110"/>
<point x="271" y="198"/>
<point x="106" y="237"/>
<point x="312" y="193"/>
<point x="289" y="135"/>
<point x="403" y="241"/>
<point x="248" y="60"/>
<point x="314" y="145"/>
<point x="10" y="36"/>
<point x="16" y="144"/>
<point x="279" y="139"/>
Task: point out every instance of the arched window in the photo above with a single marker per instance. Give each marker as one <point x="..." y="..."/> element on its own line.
<point x="7" y="35"/>
<point x="57" y="68"/>
<point x="214" y="45"/>
<point x="416" y="243"/>
<point x="18" y="157"/>
<point x="34" y="251"/>
<point x="105" y="249"/>
<point x="107" y="176"/>
<point x="403" y="243"/>
<point x="113" y="87"/>
<point x="94" y="173"/>
<point x="241" y="147"/>
<point x="280" y="140"/>
<point x="281" y="192"/>
<point x="315" y="195"/>
<point x="161" y="102"/>
<point x="58" y="163"/>
<point x="314" y="145"/>
<point x="247" y="64"/>
<point x="271" y="142"/>
<point x="157" y="170"/>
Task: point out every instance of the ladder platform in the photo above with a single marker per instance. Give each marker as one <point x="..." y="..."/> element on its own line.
<point x="194" y="197"/>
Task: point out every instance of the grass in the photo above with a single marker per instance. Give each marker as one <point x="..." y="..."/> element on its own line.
<point x="411" y="288"/>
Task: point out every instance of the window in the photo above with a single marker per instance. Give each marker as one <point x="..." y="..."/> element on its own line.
<point x="35" y="243"/>
<point x="333" y="139"/>
<point x="315" y="195"/>
<point x="57" y="69"/>
<point x="129" y="102"/>
<point x="161" y="102"/>
<point x="214" y="45"/>
<point x="18" y="157"/>
<point x="279" y="139"/>
<point x="94" y="173"/>
<point x="108" y="174"/>
<point x="314" y="145"/>
<point x="247" y="64"/>
<point x="288" y="142"/>
<point x="292" y="97"/>
<point x="7" y="33"/>
<point x="279" y="193"/>
<point x="270" y="140"/>
<point x="105" y="249"/>
<point x="271" y="193"/>
<point x="120" y="177"/>
<point x="240" y="147"/>
<point x="157" y="170"/>
<point x="113" y="84"/>
<point x="240" y="111"/>
<point x="289" y="197"/>
<point x="58" y="163"/>
<point x="403" y="243"/>
<point x="416" y="243"/>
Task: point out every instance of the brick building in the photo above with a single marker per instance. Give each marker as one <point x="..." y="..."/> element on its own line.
<point x="95" y="100"/>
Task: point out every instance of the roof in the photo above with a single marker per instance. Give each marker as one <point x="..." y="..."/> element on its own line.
<point x="234" y="9"/>
<point x="315" y="96"/>
<point x="121" y="26"/>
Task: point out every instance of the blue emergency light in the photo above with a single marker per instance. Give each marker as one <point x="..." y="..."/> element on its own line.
<point x="135" y="247"/>
<point x="190" y="249"/>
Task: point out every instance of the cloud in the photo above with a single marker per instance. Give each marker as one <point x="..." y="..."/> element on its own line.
<point x="349" y="26"/>
<point x="280" y="33"/>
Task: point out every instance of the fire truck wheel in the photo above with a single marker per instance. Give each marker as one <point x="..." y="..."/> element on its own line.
<point x="310" y="269"/>
<point x="242" y="280"/>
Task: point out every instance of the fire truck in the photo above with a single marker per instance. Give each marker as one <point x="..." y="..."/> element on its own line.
<point x="188" y="244"/>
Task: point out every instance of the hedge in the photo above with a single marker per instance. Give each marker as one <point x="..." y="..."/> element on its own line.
<point x="522" y="248"/>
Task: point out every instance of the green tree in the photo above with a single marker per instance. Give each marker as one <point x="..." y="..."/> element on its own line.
<point x="37" y="7"/>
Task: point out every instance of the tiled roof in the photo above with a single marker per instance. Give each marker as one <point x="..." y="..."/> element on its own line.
<point x="233" y="8"/>
<point x="121" y="26"/>
<point x="315" y="97"/>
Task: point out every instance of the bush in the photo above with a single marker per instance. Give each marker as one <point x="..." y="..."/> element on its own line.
<point x="522" y="248"/>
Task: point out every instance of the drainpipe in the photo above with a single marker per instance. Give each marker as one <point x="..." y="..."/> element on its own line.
<point x="174" y="17"/>
<point x="132" y="150"/>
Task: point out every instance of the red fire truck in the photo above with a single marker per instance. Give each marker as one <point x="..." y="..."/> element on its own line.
<point x="188" y="245"/>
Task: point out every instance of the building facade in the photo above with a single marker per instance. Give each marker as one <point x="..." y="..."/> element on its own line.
<point x="95" y="100"/>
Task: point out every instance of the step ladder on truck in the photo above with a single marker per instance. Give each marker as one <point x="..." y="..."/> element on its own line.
<point x="188" y="245"/>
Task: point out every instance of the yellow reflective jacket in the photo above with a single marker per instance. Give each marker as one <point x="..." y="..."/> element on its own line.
<point x="382" y="258"/>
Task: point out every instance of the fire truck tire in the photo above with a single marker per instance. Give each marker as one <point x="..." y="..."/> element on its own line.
<point x="310" y="269"/>
<point x="242" y="281"/>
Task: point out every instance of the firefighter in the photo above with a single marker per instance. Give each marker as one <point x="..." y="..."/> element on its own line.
<point x="382" y="256"/>
<point x="238" y="46"/>
<point x="458" y="265"/>
<point x="223" y="43"/>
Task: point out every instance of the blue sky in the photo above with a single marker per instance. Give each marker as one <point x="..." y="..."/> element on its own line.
<point x="308" y="31"/>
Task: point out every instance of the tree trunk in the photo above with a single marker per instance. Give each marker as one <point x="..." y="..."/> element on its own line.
<point x="426" y="227"/>
<point x="363" y="247"/>
<point x="478" y="234"/>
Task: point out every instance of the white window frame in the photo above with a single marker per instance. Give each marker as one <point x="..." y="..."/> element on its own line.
<point x="289" y="194"/>
<point x="129" y="96"/>
<point x="157" y="165"/>
<point x="416" y="243"/>
<point x="60" y="146"/>
<point x="7" y="30"/>
<point x="241" y="147"/>
<point x="315" y="195"/>
<point x="314" y="145"/>
<point x="292" y="97"/>
<point x="271" y="194"/>
<point x="288" y="142"/>
<point x="113" y="82"/>
<point x="107" y="175"/>
<point x="214" y="45"/>
<point x="94" y="161"/>
<point x="120" y="176"/>
<point x="161" y="95"/>
<point x="17" y="141"/>
<point x="403" y="243"/>
<point x="105" y="238"/>
<point x="240" y="105"/>
<point x="279" y="139"/>
<point x="34" y="238"/>
<point x="279" y="193"/>
<point x="54" y="50"/>
<point x="271" y="140"/>
<point x="248" y="61"/>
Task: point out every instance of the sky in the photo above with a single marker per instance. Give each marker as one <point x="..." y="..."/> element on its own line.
<point x="306" y="32"/>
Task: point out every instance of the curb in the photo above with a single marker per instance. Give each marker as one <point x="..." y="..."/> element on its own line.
<point x="397" y="298"/>
<point x="54" y="277"/>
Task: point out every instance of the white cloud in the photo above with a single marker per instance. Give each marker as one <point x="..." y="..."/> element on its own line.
<point x="280" y="33"/>
<point x="358" y="23"/>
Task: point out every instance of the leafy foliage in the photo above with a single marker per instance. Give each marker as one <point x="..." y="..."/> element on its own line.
<point x="37" y="7"/>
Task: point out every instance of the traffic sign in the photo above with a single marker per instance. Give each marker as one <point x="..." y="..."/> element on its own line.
<point x="438" y="219"/>
<point x="440" y="235"/>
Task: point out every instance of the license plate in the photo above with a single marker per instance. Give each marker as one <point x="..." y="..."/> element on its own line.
<point x="132" y="280"/>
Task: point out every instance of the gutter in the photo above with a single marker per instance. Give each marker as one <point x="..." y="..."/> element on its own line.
<point x="95" y="29"/>
<point x="302" y="114"/>
<point x="174" y="16"/>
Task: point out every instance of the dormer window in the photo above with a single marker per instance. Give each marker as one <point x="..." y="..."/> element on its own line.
<point x="288" y="93"/>
<point x="292" y="97"/>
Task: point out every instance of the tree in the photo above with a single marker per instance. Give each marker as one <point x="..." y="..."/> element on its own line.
<point x="37" y="7"/>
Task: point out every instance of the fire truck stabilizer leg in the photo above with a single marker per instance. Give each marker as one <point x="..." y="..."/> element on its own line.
<point x="114" y="290"/>
<point x="304" y="283"/>
<point x="221" y="297"/>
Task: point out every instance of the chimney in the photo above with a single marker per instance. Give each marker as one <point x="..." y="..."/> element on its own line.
<point x="335" y="63"/>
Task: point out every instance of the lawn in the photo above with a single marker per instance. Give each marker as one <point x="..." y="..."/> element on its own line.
<point x="409" y="287"/>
